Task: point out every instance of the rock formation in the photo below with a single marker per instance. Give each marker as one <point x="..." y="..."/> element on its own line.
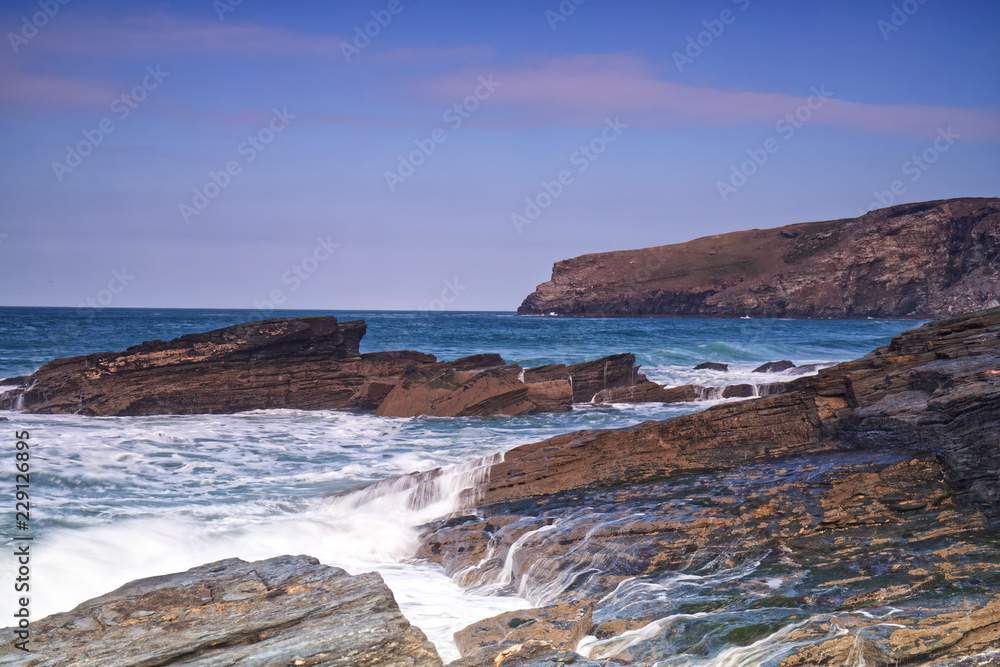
<point x="288" y="610"/>
<point x="916" y="260"/>
<point x="850" y="519"/>
<point x="780" y="522"/>
<point x="305" y="363"/>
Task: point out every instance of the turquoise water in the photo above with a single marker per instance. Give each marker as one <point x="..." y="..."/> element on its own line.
<point x="118" y="498"/>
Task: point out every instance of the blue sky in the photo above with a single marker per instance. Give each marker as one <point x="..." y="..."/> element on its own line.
<point x="223" y="154"/>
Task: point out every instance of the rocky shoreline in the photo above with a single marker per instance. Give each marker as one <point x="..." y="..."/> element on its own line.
<point x="850" y="518"/>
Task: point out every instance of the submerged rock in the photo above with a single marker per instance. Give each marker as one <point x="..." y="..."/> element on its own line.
<point x="282" y="611"/>
<point x="774" y="367"/>
<point x="560" y="626"/>
<point x="711" y="366"/>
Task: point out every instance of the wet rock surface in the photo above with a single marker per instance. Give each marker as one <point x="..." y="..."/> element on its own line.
<point x="925" y="260"/>
<point x="283" y="611"/>
<point x="304" y="363"/>
<point x="851" y="519"/>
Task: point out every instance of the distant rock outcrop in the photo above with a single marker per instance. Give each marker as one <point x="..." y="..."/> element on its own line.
<point x="916" y="260"/>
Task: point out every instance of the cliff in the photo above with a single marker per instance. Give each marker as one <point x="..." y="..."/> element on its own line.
<point x="915" y="260"/>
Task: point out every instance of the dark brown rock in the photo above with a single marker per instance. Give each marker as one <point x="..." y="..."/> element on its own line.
<point x="309" y="362"/>
<point x="649" y="392"/>
<point x="304" y="363"/>
<point x="588" y="378"/>
<point x="473" y="362"/>
<point x="814" y="413"/>
<point x="774" y="367"/>
<point x="282" y="611"/>
<point x="922" y="260"/>
<point x="551" y="396"/>
<point x="711" y="366"/>
<point x="451" y="393"/>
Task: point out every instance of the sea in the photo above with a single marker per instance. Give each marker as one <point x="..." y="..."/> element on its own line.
<point x="115" y="499"/>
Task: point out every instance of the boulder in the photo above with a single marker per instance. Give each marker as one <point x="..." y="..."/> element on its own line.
<point x="451" y="393"/>
<point x="560" y="626"/>
<point x="649" y="392"/>
<point x="711" y="366"/>
<point x="288" y="610"/>
<point x="588" y="378"/>
<point x="774" y="367"/>
<point x="306" y="362"/>
<point x="551" y="396"/>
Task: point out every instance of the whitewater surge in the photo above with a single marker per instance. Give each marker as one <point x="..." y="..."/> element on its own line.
<point x="120" y="498"/>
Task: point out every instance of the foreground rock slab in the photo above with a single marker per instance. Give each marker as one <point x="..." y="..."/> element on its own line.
<point x="282" y="611"/>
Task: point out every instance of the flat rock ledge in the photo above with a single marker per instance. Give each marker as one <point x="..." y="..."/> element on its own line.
<point x="289" y="610"/>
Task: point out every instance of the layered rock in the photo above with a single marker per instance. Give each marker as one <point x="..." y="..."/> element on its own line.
<point x="850" y="518"/>
<point x="934" y="385"/>
<point x="288" y="610"/>
<point x="915" y="260"/>
<point x="303" y="363"/>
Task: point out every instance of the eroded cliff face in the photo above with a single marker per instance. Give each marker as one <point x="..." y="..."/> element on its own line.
<point x="915" y="260"/>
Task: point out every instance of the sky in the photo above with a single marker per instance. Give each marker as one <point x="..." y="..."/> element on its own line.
<point x="421" y="154"/>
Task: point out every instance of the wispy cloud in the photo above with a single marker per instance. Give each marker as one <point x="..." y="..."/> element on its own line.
<point x="34" y="91"/>
<point x="159" y="35"/>
<point x="584" y="89"/>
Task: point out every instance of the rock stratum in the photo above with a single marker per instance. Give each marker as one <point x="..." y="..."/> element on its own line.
<point x="289" y="610"/>
<point x="915" y="260"/>
<point x="850" y="519"/>
<point x="304" y="363"/>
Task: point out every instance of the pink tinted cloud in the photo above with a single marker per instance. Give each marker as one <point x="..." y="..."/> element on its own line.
<point x="144" y="36"/>
<point x="581" y="90"/>
<point x="34" y="90"/>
